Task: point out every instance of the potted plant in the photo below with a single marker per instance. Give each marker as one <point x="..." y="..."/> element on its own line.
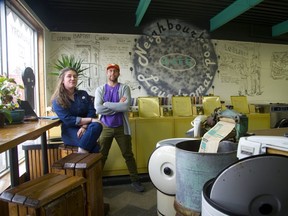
<point x="69" y="61"/>
<point x="9" y="96"/>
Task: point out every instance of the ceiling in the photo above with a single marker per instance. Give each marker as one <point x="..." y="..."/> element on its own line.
<point x="118" y="16"/>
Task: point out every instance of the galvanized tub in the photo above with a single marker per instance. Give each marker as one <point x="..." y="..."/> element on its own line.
<point x="194" y="169"/>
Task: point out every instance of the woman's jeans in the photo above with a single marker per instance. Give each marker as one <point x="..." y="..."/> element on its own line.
<point x="89" y="140"/>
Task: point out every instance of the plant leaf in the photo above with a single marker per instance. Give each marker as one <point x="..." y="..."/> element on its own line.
<point x="7" y="114"/>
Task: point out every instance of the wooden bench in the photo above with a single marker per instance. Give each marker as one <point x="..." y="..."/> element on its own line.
<point x="89" y="166"/>
<point x="50" y="194"/>
<point x="33" y="158"/>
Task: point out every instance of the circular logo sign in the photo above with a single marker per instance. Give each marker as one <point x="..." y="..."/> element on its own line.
<point x="174" y="58"/>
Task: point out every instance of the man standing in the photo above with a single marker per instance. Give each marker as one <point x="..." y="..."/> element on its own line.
<point x="112" y="101"/>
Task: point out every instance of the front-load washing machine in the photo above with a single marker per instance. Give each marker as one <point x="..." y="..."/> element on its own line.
<point x="253" y="186"/>
<point x="161" y="168"/>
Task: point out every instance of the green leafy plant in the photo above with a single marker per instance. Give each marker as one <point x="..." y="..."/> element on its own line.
<point x="9" y="96"/>
<point x="69" y="61"/>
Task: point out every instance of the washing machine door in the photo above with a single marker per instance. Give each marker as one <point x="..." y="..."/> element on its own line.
<point x="282" y="123"/>
<point x="255" y="186"/>
<point x="161" y="168"/>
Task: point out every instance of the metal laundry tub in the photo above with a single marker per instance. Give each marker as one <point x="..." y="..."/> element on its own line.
<point x="194" y="169"/>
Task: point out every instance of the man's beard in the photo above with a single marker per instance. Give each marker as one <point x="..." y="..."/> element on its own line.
<point x="114" y="80"/>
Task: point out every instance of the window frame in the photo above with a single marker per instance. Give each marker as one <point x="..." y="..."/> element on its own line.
<point x="19" y="8"/>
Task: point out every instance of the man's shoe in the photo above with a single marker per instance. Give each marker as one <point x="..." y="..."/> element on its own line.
<point x="138" y="186"/>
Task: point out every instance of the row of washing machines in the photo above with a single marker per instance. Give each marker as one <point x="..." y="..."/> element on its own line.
<point x="253" y="184"/>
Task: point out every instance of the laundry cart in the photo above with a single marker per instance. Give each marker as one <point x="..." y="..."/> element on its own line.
<point x="162" y="171"/>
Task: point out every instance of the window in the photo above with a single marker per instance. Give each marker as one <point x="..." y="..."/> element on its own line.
<point x="19" y="47"/>
<point x="3" y="162"/>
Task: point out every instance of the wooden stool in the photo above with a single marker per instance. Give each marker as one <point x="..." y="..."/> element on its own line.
<point x="67" y="149"/>
<point x="50" y="194"/>
<point x="89" y="166"/>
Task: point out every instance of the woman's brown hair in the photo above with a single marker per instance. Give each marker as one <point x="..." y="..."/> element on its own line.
<point x="60" y="94"/>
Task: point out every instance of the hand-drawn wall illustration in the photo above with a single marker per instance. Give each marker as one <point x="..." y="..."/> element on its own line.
<point x="255" y="71"/>
<point x="240" y="64"/>
<point x="175" y="58"/>
<point x="279" y="65"/>
<point x="81" y="46"/>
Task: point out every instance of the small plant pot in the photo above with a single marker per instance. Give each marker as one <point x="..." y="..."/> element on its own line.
<point x="17" y="116"/>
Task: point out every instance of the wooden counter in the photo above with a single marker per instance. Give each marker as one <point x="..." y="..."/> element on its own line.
<point x="146" y="132"/>
<point x="271" y="132"/>
<point x="14" y="134"/>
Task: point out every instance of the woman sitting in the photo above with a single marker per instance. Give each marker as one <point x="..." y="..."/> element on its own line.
<point x="75" y="109"/>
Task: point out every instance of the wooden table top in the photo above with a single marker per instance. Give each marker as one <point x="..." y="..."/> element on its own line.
<point x="13" y="135"/>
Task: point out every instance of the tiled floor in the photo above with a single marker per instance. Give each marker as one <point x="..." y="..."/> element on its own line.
<point x="125" y="201"/>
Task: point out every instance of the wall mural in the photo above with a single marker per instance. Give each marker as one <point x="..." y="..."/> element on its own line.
<point x="96" y="50"/>
<point x="174" y="58"/>
<point x="82" y="46"/>
<point x="240" y="64"/>
<point x="279" y="65"/>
